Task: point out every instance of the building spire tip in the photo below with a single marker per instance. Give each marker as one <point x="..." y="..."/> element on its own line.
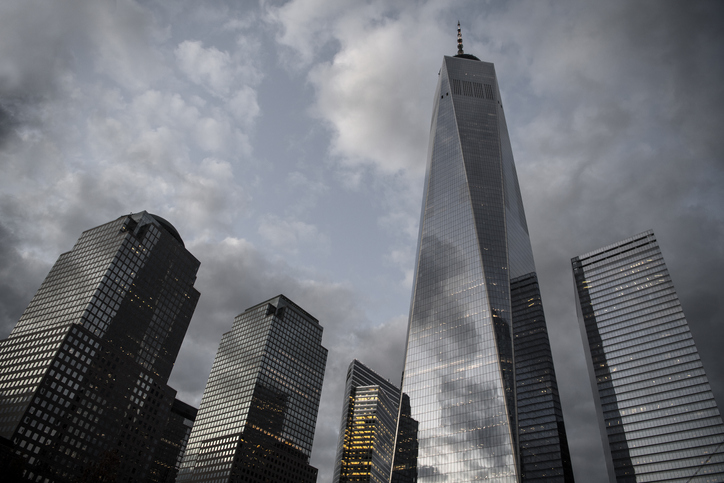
<point x="460" y="40"/>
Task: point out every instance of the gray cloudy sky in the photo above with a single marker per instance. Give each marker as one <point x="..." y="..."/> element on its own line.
<point x="286" y="141"/>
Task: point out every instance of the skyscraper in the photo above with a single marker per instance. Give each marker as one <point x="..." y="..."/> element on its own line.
<point x="474" y="281"/>
<point x="656" y="412"/>
<point x="369" y="422"/>
<point x="259" y="409"/>
<point x="83" y="390"/>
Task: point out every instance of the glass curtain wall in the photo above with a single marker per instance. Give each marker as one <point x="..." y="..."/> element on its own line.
<point x="657" y="415"/>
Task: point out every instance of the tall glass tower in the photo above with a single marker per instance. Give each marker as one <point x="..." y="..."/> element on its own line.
<point x="657" y="414"/>
<point x="83" y="388"/>
<point x="259" y="409"/>
<point x="472" y="337"/>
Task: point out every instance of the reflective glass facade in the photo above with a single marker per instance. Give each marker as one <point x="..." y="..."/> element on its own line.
<point x="460" y="370"/>
<point x="83" y="388"/>
<point x="657" y="415"/>
<point x="369" y="422"/>
<point x="259" y="409"/>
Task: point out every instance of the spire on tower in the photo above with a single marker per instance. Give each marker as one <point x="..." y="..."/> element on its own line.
<point x="460" y="46"/>
<point x="460" y="40"/>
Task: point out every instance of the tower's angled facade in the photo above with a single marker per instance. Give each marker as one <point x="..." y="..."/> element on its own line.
<point x="471" y="335"/>
<point x="259" y="409"/>
<point x="369" y="422"/>
<point x="83" y="391"/>
<point x="656" y="411"/>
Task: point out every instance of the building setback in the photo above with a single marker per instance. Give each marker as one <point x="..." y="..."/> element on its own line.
<point x="480" y="413"/>
<point x="83" y="390"/>
<point x="656" y="412"/>
<point x="367" y="433"/>
<point x="259" y="409"/>
<point x="173" y="442"/>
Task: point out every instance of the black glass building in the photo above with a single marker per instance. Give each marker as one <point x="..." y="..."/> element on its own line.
<point x="367" y="433"/>
<point x="258" y="413"/>
<point x="83" y="391"/>
<point x="404" y="468"/>
<point x="657" y="415"/>
<point x="172" y="444"/>
<point x="478" y="368"/>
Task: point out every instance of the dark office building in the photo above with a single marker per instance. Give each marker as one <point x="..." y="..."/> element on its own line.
<point x="173" y="442"/>
<point x="404" y="469"/>
<point x="84" y="371"/>
<point x="542" y="437"/>
<point x="656" y="412"/>
<point x="367" y="433"/>
<point x="259" y="409"/>
<point x="481" y="414"/>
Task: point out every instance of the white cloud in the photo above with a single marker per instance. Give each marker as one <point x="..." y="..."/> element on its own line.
<point x="208" y="67"/>
<point x="307" y="25"/>
<point x="231" y="78"/>
<point x="243" y="106"/>
<point x="211" y="134"/>
<point x="355" y="90"/>
<point x="289" y="234"/>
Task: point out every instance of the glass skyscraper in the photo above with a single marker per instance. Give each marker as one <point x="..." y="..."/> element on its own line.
<point x="367" y="433"/>
<point x="657" y="414"/>
<point x="478" y="369"/>
<point x="259" y="409"/>
<point x="83" y="390"/>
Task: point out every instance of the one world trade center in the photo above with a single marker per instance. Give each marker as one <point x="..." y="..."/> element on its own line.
<point x="478" y="367"/>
